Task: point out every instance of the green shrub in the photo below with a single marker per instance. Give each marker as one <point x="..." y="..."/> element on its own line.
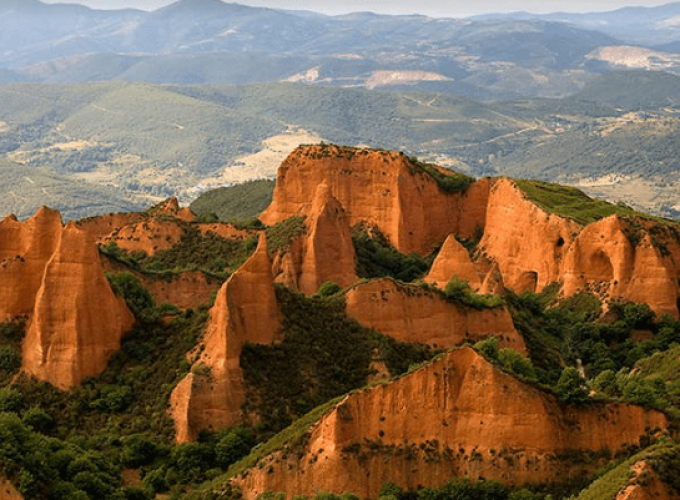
<point x="459" y="292"/>
<point x="605" y="383"/>
<point x="137" y="298"/>
<point x="38" y="419"/>
<point x="571" y="387"/>
<point x="488" y="348"/>
<point x="235" y="445"/>
<point x="10" y="399"/>
<point x="328" y="288"/>
<point x="514" y="362"/>
<point x="10" y="359"/>
<point x="138" y="450"/>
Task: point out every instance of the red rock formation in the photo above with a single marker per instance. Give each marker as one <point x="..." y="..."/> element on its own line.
<point x="603" y="254"/>
<point x="412" y="314"/>
<point x="381" y="189"/>
<point x="459" y="416"/>
<point x="226" y="231"/>
<point x="493" y="282"/>
<point x="245" y="310"/>
<point x="149" y="236"/>
<point x="454" y="260"/>
<point x="7" y="491"/>
<point x="646" y="485"/>
<point x="25" y="249"/>
<point x="77" y="321"/>
<point x="527" y="243"/>
<point x="98" y="227"/>
<point x="185" y="290"/>
<point x="171" y="207"/>
<point x="324" y="253"/>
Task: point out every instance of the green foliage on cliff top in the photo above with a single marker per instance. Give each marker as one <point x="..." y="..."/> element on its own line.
<point x="570" y="202"/>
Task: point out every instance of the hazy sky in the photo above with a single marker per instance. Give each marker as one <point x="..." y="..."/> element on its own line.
<point x="436" y="8"/>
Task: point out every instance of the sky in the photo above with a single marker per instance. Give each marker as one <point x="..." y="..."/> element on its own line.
<point x="434" y="8"/>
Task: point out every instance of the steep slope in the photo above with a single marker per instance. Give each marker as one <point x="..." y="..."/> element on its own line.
<point x="454" y="260"/>
<point x="459" y="416"/>
<point x="77" y="321"/>
<point x="604" y="255"/>
<point x="25" y="249"/>
<point x="245" y="310"/>
<point x="325" y="251"/>
<point x="527" y="242"/>
<point x="52" y="275"/>
<point x="413" y="314"/>
<point x="402" y="199"/>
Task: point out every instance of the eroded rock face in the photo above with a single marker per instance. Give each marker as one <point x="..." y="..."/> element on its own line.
<point x="603" y="255"/>
<point x="53" y="276"/>
<point x="459" y="416"/>
<point x="646" y="485"/>
<point x="25" y="249"/>
<point x="527" y="243"/>
<point x="100" y="226"/>
<point x="8" y="491"/>
<point x="413" y="314"/>
<point x="245" y="310"/>
<point x="379" y="188"/>
<point x="454" y="260"/>
<point x="324" y="253"/>
<point x="77" y="321"/>
<point x="149" y="236"/>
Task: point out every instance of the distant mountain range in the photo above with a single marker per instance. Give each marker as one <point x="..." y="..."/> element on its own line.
<point x="209" y="41"/>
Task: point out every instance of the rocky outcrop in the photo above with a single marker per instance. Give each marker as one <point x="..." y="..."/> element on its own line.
<point x="411" y="313"/>
<point x="101" y="226"/>
<point x="324" y="253"/>
<point x="77" y="321"/>
<point x="53" y="276"/>
<point x="459" y="416"/>
<point x="493" y="282"/>
<point x="381" y="189"/>
<point x="527" y="243"/>
<point x="171" y="207"/>
<point x="603" y="257"/>
<point x="149" y="236"/>
<point x="646" y="485"/>
<point x="454" y="260"/>
<point x="226" y="231"/>
<point x="25" y="249"/>
<point x="8" y="491"/>
<point x="245" y="310"/>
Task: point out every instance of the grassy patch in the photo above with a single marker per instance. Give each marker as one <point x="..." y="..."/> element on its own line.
<point x="573" y="203"/>
<point x="449" y="181"/>
<point x="241" y="201"/>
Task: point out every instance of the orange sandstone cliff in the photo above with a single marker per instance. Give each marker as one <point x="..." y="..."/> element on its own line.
<point x="527" y="243"/>
<point x="378" y="188"/>
<point x="325" y="252"/>
<point x="454" y="260"/>
<point x="409" y="313"/>
<point x="603" y="255"/>
<point x="245" y="310"/>
<point x="77" y="321"/>
<point x="52" y="275"/>
<point x="459" y="416"/>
